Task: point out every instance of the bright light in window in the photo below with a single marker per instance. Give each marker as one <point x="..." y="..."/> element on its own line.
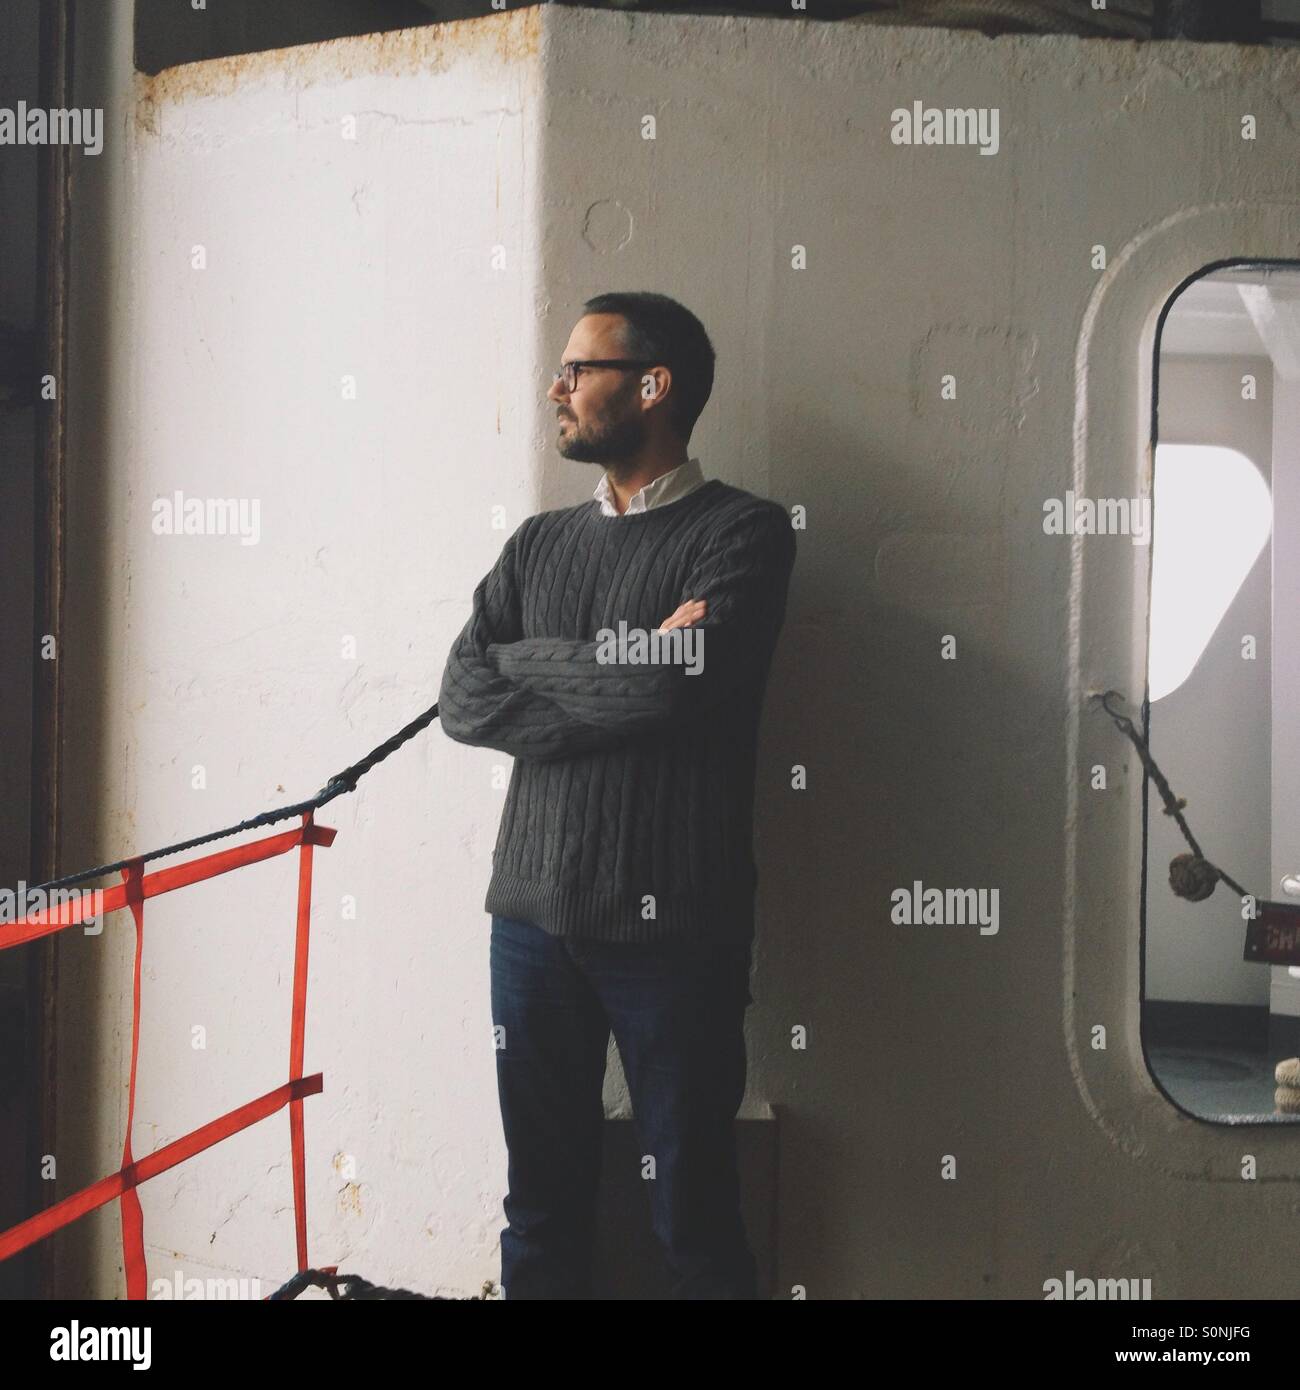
<point x="1212" y="516"/>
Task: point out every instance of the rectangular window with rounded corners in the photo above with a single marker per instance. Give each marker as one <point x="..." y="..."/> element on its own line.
<point x="1221" y="1034"/>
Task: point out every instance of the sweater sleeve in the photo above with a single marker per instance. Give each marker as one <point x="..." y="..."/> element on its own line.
<point x="743" y="573"/>
<point x="481" y="706"/>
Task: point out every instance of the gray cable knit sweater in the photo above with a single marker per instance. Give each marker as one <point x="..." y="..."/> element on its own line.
<point x="629" y="815"/>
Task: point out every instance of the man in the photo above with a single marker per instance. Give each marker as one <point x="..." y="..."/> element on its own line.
<point x="622" y="888"/>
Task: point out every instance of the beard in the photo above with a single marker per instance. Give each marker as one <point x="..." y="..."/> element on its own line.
<point x="608" y="441"/>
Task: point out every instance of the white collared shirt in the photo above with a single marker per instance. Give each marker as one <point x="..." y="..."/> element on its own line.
<point x="667" y="487"/>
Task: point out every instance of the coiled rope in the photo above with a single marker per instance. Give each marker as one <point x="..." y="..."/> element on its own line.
<point x="348" y="1288"/>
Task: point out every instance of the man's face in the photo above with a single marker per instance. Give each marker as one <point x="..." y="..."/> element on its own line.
<point x="602" y="419"/>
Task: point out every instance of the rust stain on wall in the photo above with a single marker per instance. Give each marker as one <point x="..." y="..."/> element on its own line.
<point x="512" y="36"/>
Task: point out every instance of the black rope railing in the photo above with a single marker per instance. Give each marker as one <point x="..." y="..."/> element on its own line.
<point x="1191" y="876"/>
<point x="338" y="785"/>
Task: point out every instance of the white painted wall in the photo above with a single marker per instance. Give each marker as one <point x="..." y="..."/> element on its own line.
<point x="325" y="257"/>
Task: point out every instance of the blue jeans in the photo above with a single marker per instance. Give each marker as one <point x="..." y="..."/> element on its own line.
<point x="677" y="1011"/>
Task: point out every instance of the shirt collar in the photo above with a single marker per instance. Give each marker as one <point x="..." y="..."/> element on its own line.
<point x="656" y="493"/>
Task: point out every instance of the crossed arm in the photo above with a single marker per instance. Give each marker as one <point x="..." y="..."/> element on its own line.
<point x="480" y="706"/>
<point x="547" y="697"/>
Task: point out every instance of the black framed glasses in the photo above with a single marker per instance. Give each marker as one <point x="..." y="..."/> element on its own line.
<point x="569" y="370"/>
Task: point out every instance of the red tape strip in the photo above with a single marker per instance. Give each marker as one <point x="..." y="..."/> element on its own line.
<point x="63" y="1213"/>
<point x="296" y="1039"/>
<point x="71" y="914"/>
<point x="137" y="1273"/>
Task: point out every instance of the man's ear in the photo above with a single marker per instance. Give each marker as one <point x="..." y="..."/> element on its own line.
<point x="650" y="387"/>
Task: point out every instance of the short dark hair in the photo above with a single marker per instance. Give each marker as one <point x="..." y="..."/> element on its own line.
<point x="663" y="331"/>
